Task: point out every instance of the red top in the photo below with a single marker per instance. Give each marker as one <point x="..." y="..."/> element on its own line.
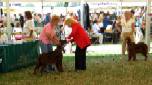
<point x="79" y="35"/>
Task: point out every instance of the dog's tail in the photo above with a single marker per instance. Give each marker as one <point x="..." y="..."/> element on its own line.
<point x="128" y="39"/>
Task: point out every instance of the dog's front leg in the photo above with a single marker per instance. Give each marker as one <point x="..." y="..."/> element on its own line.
<point x="59" y="66"/>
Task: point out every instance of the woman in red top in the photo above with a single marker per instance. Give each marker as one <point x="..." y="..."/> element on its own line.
<point x="82" y="41"/>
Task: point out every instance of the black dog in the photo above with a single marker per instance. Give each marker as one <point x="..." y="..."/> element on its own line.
<point x="133" y="49"/>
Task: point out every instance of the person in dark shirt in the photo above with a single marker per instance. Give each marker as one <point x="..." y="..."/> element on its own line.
<point x="47" y="18"/>
<point x="21" y="19"/>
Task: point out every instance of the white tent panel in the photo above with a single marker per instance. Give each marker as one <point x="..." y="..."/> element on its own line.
<point x="75" y="0"/>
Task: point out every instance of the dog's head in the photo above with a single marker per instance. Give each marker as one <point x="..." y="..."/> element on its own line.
<point x="61" y="46"/>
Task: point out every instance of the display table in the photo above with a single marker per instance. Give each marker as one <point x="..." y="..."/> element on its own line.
<point x="14" y="56"/>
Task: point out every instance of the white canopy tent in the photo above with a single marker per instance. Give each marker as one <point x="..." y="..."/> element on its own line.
<point x="147" y="14"/>
<point x="74" y="0"/>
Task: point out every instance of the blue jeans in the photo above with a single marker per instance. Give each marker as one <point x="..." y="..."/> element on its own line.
<point x="46" y="48"/>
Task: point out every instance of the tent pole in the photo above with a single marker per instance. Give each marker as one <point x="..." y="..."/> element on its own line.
<point x="9" y="29"/>
<point x="121" y="6"/>
<point x="81" y="11"/>
<point x="42" y="7"/>
<point x="117" y="9"/>
<point x="148" y="24"/>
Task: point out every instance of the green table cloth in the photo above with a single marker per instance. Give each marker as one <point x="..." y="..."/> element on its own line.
<point x="14" y="56"/>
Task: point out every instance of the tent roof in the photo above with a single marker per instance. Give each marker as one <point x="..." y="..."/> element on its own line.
<point x="75" y="0"/>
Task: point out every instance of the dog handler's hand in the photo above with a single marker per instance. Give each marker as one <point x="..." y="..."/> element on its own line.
<point x="68" y="40"/>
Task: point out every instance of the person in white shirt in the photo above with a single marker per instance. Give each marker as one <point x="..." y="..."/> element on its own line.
<point x="127" y="24"/>
<point x="96" y="31"/>
<point x="28" y="29"/>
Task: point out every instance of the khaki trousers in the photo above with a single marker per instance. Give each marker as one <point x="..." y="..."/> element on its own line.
<point x="124" y="35"/>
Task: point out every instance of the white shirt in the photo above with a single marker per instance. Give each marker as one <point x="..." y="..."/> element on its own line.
<point x="127" y="26"/>
<point x="67" y="30"/>
<point x="101" y="24"/>
<point x="29" y="25"/>
<point x="17" y="29"/>
<point x="96" y="29"/>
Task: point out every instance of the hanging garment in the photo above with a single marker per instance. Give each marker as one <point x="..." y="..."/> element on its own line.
<point x="86" y="19"/>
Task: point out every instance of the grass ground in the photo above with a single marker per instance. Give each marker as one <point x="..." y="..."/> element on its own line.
<point x="101" y="70"/>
